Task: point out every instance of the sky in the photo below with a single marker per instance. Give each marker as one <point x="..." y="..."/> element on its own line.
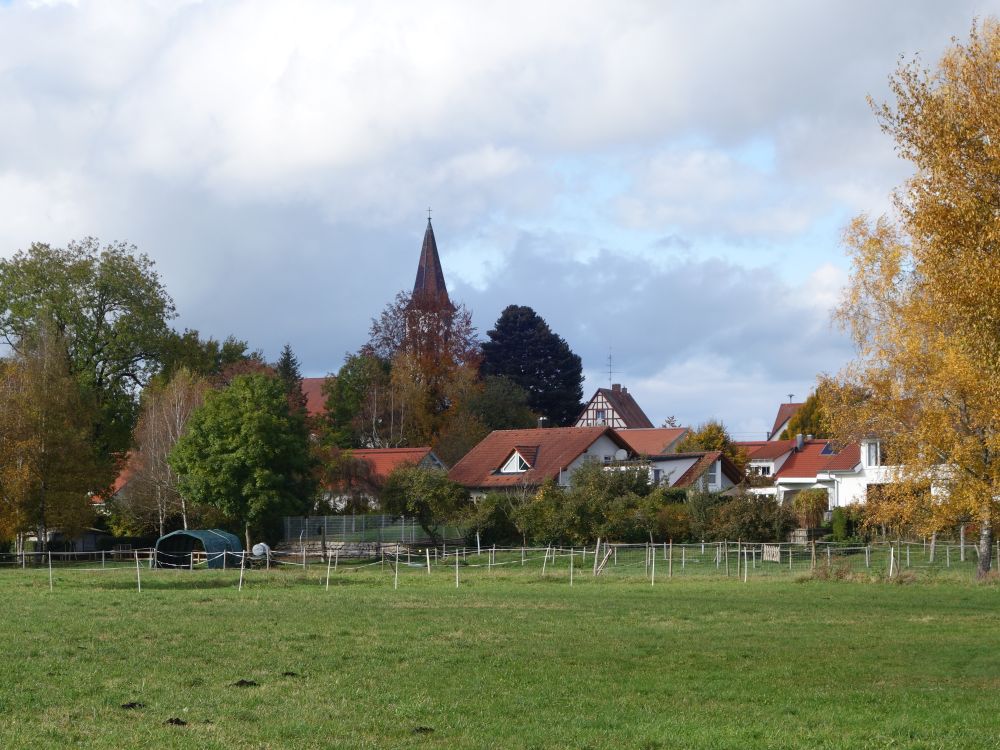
<point x="666" y="183"/>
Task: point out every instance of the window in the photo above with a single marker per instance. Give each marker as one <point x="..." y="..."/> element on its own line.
<point x="657" y="475"/>
<point x="761" y="470"/>
<point x="874" y="453"/>
<point x="713" y="474"/>
<point x="515" y="465"/>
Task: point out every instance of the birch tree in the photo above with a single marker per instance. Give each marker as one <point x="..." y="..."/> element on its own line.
<point x="923" y="302"/>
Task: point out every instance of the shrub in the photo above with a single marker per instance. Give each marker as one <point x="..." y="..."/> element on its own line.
<point x="810" y="505"/>
<point x="753" y="517"/>
<point x="674" y="522"/>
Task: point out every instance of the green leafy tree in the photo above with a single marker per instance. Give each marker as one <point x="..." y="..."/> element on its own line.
<point x="363" y="408"/>
<point x="48" y="465"/>
<point x="205" y="357"/>
<point x="524" y="349"/>
<point x="754" y="518"/>
<point x="810" y="419"/>
<point x="111" y="309"/>
<point x="247" y="454"/>
<point x="427" y="495"/>
<point x="713" y="436"/>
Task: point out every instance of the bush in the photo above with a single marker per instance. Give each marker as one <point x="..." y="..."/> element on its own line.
<point x="753" y="517"/>
<point x="674" y="522"/>
<point x="810" y="505"/>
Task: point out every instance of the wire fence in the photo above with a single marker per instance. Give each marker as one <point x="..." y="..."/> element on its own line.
<point x="647" y="563"/>
<point x="366" y="528"/>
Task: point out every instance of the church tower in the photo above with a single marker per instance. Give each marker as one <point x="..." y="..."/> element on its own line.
<point x="429" y="289"/>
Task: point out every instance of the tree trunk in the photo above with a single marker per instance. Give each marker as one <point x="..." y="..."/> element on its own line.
<point x="985" y="548"/>
<point x="933" y="545"/>
<point x="246" y="531"/>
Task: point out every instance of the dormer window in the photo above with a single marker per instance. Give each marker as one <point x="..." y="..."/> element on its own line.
<point x="519" y="460"/>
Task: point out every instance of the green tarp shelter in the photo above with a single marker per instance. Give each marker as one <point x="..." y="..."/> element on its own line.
<point x="174" y="550"/>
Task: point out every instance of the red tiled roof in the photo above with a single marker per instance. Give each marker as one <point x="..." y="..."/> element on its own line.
<point x="384" y="460"/>
<point x="807" y="462"/>
<point x="705" y="460"/>
<point x="312" y="388"/>
<point x="528" y="452"/>
<point x="556" y="448"/>
<point x="652" y="441"/>
<point x="785" y="412"/>
<point x="846" y="460"/>
<point x="763" y="450"/>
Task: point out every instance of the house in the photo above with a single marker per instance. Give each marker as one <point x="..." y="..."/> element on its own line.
<point x="312" y="389"/>
<point x="848" y="474"/>
<point x="519" y="459"/>
<point x="613" y="407"/>
<point x="359" y="487"/>
<point x="703" y="471"/>
<point x="781" y="420"/>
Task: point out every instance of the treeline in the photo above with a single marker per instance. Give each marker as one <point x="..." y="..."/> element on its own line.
<point x="98" y="391"/>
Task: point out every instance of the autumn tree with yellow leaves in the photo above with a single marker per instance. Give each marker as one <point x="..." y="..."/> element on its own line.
<point x="923" y="303"/>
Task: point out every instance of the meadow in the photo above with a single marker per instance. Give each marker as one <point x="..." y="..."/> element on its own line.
<point x="507" y="660"/>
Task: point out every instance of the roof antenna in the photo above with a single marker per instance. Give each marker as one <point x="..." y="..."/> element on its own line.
<point x="790" y="397"/>
<point x="611" y="370"/>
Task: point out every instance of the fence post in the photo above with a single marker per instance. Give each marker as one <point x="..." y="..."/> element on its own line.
<point x="243" y="559"/>
<point x="329" y="560"/>
<point x="813" y="565"/>
<point x="947" y="555"/>
<point x="907" y="554"/>
<point x="745" y="571"/>
<point x="138" y="578"/>
<point x="726" y="544"/>
<point x="790" y="547"/>
<point x="828" y="557"/>
<point x="868" y="559"/>
<point x="395" y="577"/>
<point x="683" y="557"/>
<point x="428" y="551"/>
<point x="456" y="571"/>
<point x="597" y="551"/>
<point x="50" y="567"/>
<point x="571" y="566"/>
<point x="102" y="559"/>
<point x="670" y="561"/>
<point x="652" y="577"/>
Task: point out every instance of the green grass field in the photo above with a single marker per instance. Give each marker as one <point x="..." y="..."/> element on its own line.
<point x="508" y="660"/>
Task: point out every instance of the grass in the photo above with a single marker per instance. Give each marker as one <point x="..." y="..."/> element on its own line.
<point x="507" y="660"/>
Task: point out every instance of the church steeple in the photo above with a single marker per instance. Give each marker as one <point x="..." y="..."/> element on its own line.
<point x="429" y="287"/>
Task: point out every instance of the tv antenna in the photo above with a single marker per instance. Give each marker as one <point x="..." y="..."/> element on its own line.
<point x="611" y="369"/>
<point x="790" y="397"/>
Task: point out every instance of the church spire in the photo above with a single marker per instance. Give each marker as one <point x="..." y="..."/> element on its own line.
<point x="429" y="286"/>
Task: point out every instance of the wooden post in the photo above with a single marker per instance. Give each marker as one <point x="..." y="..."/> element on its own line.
<point x="329" y="561"/>
<point x="664" y="550"/>
<point x="243" y="559"/>
<point x="545" y="560"/>
<point x="868" y="559"/>
<point x="479" y="549"/>
<point x="745" y="571"/>
<point x="428" y="551"/>
<point x="892" y="551"/>
<point x="790" y="547"/>
<point x="395" y="577"/>
<point x="138" y="577"/>
<point x="907" y="554"/>
<point x="961" y="542"/>
<point x="726" y="545"/>
<point x="670" y="561"/>
<point x="336" y="559"/>
<point x="947" y="555"/>
<point x="683" y="557"/>
<point x="102" y="559"/>
<point x="652" y="577"/>
<point x="571" y="566"/>
<point x="813" y="554"/>
<point x="597" y="550"/>
<point x="456" y="571"/>
<point x="933" y="546"/>
<point x="828" y="557"/>
<point x="739" y="554"/>
<point x="50" y="566"/>
<point x="522" y="557"/>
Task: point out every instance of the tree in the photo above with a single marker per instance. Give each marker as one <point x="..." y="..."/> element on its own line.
<point x="287" y="369"/>
<point x="427" y="495"/>
<point x="810" y="419"/>
<point x="48" y="465"/>
<point x="363" y="408"/>
<point x="205" y="357"/>
<point x="524" y="349"/>
<point x="713" y="436"/>
<point x="247" y="454"/>
<point x="923" y="301"/>
<point x="152" y="494"/>
<point x="111" y="309"/>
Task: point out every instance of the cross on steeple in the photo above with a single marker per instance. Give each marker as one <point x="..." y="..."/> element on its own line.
<point x="428" y="213"/>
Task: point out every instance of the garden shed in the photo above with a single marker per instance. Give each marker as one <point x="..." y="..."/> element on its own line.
<point x="174" y="550"/>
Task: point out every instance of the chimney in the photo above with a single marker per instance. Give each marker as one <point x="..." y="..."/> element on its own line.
<point x="624" y="390"/>
<point x="541" y="422"/>
<point x="616" y="387"/>
<point x="809" y="437"/>
<point x="799" y="442"/>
